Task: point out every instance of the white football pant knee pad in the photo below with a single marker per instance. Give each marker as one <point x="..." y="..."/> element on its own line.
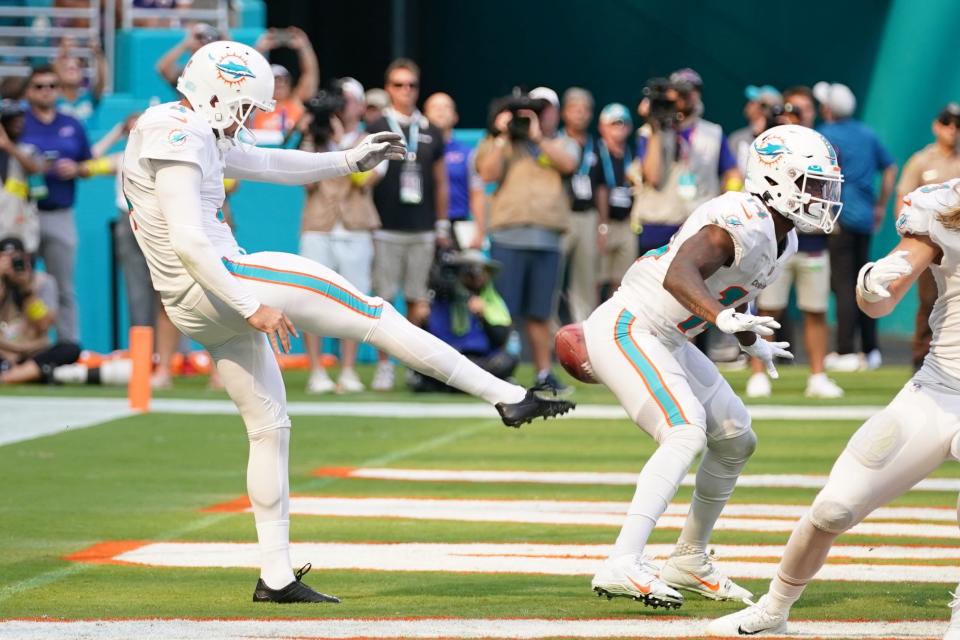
<point x="734" y="451"/>
<point x="831" y="516"/>
<point x="686" y="440"/>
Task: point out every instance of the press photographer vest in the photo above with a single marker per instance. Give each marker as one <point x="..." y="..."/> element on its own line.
<point x="690" y="180"/>
<point x="531" y="193"/>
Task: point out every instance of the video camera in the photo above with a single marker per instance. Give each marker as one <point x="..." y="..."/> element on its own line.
<point x="663" y="105"/>
<point x="519" y="127"/>
<point x="324" y="105"/>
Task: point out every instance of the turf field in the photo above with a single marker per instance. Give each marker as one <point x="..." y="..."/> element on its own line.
<point x="144" y="518"/>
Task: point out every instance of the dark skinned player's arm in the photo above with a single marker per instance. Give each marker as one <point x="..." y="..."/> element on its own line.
<point x="698" y="258"/>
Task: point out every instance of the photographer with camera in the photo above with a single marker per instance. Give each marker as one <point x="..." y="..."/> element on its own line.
<point x="529" y="213"/>
<point x="685" y="159"/>
<point x="289" y="98"/>
<point x="338" y="216"/>
<point x="18" y="211"/>
<point x="762" y="110"/>
<point x="467" y="313"/>
<point x="28" y="308"/>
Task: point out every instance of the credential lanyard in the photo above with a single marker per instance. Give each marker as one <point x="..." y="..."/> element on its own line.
<point x="608" y="173"/>
<point x="414" y="132"/>
<point x="585" y="160"/>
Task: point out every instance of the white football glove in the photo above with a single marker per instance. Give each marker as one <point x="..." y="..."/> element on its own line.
<point x="374" y="149"/>
<point x="875" y="277"/>
<point x="766" y="352"/>
<point x="729" y="321"/>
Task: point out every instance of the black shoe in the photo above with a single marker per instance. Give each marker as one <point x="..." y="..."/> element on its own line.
<point x="296" y="591"/>
<point x="540" y="402"/>
<point x="549" y="381"/>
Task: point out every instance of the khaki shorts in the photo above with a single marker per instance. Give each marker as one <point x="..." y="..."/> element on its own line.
<point x="621" y="253"/>
<point x="402" y="259"/>
<point x="811" y="272"/>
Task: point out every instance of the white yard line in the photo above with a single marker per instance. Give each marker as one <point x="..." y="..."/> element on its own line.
<point x="797" y="481"/>
<point x="568" y="560"/>
<point x="26" y="418"/>
<point x="660" y="627"/>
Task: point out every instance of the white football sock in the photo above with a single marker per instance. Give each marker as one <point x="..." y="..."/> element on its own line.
<point x="269" y="491"/>
<point x="805" y="553"/>
<point x="657" y="485"/>
<point x="431" y="356"/>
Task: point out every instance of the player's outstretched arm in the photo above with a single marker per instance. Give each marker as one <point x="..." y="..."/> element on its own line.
<point x="293" y="167"/>
<point x="882" y="284"/>
<point x="698" y="258"/>
<point x="178" y="192"/>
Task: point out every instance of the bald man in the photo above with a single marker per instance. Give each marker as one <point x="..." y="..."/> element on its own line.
<point x="441" y="111"/>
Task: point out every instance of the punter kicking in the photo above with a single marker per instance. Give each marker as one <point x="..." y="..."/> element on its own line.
<point x="174" y="165"/>
<point x="910" y="438"/>
<point x="638" y="345"/>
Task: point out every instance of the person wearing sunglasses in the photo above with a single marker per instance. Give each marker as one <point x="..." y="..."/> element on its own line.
<point x="937" y="162"/>
<point x="62" y="141"/>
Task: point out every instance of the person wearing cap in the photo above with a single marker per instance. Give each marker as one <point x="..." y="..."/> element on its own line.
<point x="580" y="242"/>
<point x="441" y="112"/>
<point x="616" y="240"/>
<point x="468" y="314"/>
<point x="28" y="309"/>
<point x="377" y="100"/>
<point x="289" y="98"/>
<point x="412" y="199"/>
<point x="761" y="101"/>
<point x="337" y="229"/>
<point x="199" y="34"/>
<point x="529" y="213"/>
<point x="862" y="155"/>
<point x="938" y="162"/>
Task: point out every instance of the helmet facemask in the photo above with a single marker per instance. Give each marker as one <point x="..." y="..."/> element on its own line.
<point x="816" y="205"/>
<point x="238" y="112"/>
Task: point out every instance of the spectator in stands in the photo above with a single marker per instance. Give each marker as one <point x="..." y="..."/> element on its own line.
<point x="809" y="271"/>
<point x="441" y="111"/>
<point x="76" y="99"/>
<point x="338" y="220"/>
<point x="63" y="142"/>
<point x="529" y="213"/>
<point x="18" y="163"/>
<point x="759" y="113"/>
<point x="377" y="100"/>
<point x="199" y="34"/>
<point x="289" y="98"/>
<point x="616" y="240"/>
<point x="862" y="156"/>
<point x="937" y="162"/>
<point x="580" y="242"/>
<point x="468" y="314"/>
<point x="28" y="308"/>
<point x="412" y="199"/>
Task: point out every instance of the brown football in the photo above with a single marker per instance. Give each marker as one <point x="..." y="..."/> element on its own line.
<point x="571" y="351"/>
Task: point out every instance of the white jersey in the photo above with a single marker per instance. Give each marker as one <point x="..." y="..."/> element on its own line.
<point x="172" y="132"/>
<point x="757" y="262"/>
<point x="920" y="216"/>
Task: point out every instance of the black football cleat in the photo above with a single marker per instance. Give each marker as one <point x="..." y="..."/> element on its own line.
<point x="296" y="591"/>
<point x="540" y="402"/>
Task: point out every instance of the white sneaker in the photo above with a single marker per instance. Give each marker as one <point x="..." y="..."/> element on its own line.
<point x="383" y="378"/>
<point x="320" y="382"/>
<point x="820" y="386"/>
<point x="874" y="359"/>
<point x="758" y="386"/>
<point x="349" y="382"/>
<point x="953" y="631"/>
<point x="754" y="620"/>
<point x="847" y="362"/>
<point x="697" y="573"/>
<point x="633" y="576"/>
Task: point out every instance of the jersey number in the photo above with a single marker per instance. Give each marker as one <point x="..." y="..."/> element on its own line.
<point x="727" y="297"/>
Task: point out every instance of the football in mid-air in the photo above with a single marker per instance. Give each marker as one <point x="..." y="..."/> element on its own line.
<point x="571" y="351"/>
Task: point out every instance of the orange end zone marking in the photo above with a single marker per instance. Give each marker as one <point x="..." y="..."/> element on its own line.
<point x="106" y="552"/>
<point x="237" y="505"/>
<point x="334" y="472"/>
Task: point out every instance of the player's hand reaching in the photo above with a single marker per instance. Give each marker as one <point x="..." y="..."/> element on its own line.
<point x="766" y="352"/>
<point x="730" y="321"/>
<point x="876" y="277"/>
<point x="374" y="149"/>
<point x="276" y="325"/>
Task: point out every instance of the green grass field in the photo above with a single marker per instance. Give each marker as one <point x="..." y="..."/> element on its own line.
<point x="151" y="477"/>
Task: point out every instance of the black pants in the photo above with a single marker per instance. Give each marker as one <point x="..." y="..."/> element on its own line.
<point x="848" y="252"/>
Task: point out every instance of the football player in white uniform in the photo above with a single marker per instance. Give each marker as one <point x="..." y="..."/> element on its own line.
<point x="638" y="345"/>
<point x="174" y="165"/>
<point x="905" y="442"/>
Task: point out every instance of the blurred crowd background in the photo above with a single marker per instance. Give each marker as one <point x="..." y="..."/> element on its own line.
<point x="547" y="152"/>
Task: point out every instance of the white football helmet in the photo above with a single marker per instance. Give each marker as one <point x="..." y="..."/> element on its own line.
<point x="224" y="82"/>
<point x="794" y="171"/>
